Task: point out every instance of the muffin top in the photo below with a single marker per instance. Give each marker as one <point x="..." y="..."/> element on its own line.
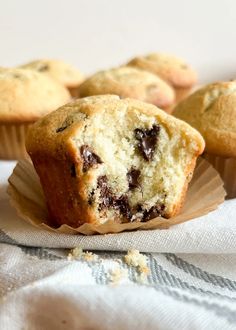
<point x="129" y="82"/>
<point x="170" y="68"/>
<point x="63" y="72"/>
<point x="26" y="95"/>
<point x="55" y="131"/>
<point x="212" y="111"/>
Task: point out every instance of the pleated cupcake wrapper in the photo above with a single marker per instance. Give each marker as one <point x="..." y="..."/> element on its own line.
<point x="12" y="140"/>
<point x="227" y="170"/>
<point x="205" y="193"/>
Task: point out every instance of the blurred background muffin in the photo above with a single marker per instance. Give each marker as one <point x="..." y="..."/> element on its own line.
<point x="61" y="71"/>
<point x="25" y="96"/>
<point x="171" y="69"/>
<point x="129" y="82"/>
<point x="212" y="111"/>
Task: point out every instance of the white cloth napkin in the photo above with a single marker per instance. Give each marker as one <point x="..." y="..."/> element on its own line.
<point x="41" y="289"/>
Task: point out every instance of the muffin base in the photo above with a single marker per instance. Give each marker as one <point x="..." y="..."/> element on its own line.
<point x="12" y="140"/>
<point x="226" y="167"/>
<point x="27" y="197"/>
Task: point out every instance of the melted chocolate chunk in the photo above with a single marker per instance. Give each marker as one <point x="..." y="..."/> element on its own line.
<point x="122" y="204"/>
<point x="43" y="68"/>
<point x="89" y="158"/>
<point x="108" y="199"/>
<point x="17" y="75"/>
<point x="69" y="121"/>
<point x="73" y="171"/>
<point x="147" y="141"/>
<point x="154" y="212"/>
<point x="91" y="197"/>
<point x="139" y="208"/>
<point x="133" y="177"/>
<point x="106" y="195"/>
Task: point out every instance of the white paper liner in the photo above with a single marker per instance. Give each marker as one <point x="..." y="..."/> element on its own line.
<point x="205" y="193"/>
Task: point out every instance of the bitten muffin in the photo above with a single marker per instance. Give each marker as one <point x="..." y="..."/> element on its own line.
<point x="171" y="69"/>
<point x="25" y="96"/>
<point x="212" y="111"/>
<point x="61" y="71"/>
<point x="105" y="158"/>
<point x="129" y="82"/>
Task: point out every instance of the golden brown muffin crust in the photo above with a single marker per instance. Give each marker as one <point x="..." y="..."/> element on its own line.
<point x="170" y="68"/>
<point x="59" y="70"/>
<point x="26" y="95"/>
<point x="212" y="111"/>
<point x="129" y="82"/>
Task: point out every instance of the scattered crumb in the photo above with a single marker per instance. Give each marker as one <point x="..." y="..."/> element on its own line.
<point x="139" y="261"/>
<point x="133" y="258"/>
<point x="118" y="274"/>
<point x="77" y="253"/>
<point x="89" y="256"/>
<point x="136" y="259"/>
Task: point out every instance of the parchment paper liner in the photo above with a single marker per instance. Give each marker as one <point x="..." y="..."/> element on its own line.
<point x="12" y="140"/>
<point x="227" y="170"/>
<point x="205" y="193"/>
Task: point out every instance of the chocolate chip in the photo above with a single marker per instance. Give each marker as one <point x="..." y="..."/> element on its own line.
<point x="69" y="121"/>
<point x="147" y="141"/>
<point x="106" y="195"/>
<point x="91" y="197"/>
<point x="60" y="129"/>
<point x="17" y="75"/>
<point x="132" y="177"/>
<point x="73" y="171"/>
<point x="108" y="199"/>
<point x="89" y="157"/>
<point x="43" y="68"/>
<point x="139" y="208"/>
<point x="123" y="206"/>
<point x="153" y="212"/>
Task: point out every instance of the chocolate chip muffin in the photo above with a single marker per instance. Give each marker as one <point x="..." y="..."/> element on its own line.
<point x="171" y="69"/>
<point x="212" y="111"/>
<point x="25" y="96"/>
<point x="104" y="158"/>
<point x="61" y="71"/>
<point x="129" y="82"/>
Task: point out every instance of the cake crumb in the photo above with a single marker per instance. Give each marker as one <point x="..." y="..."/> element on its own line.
<point x="78" y="254"/>
<point x="75" y="253"/>
<point x="136" y="259"/>
<point x="89" y="256"/>
<point x="118" y="274"/>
